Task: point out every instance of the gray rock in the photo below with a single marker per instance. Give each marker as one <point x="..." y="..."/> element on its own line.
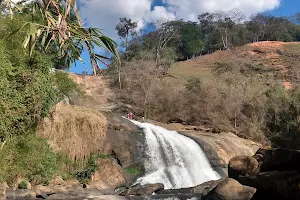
<point x="230" y="189"/>
<point x="147" y="189"/>
<point x="61" y="196"/>
<point x="20" y="194"/>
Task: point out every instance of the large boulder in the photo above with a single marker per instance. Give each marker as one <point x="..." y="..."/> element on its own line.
<point x="242" y="165"/>
<point x="110" y="173"/>
<point x="278" y="159"/>
<point x="41" y="190"/>
<point x="230" y="189"/>
<point x="124" y="141"/>
<point x="147" y="189"/>
<point x="274" y="185"/>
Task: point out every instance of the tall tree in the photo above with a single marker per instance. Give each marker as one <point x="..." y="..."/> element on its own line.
<point x="126" y="28"/>
<point x="166" y="31"/>
<point x="191" y="40"/>
<point x="225" y="23"/>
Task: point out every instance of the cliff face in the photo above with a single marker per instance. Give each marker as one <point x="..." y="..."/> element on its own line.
<point x="98" y="94"/>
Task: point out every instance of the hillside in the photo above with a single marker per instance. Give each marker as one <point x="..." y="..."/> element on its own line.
<point x="278" y="60"/>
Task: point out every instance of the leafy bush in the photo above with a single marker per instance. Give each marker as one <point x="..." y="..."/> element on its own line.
<point x="135" y="170"/>
<point x="84" y="175"/>
<point x="65" y="85"/>
<point x="30" y="157"/>
<point x="23" y="185"/>
<point x="26" y="92"/>
<point x="283" y="118"/>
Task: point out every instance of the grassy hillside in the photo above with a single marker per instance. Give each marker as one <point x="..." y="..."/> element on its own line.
<point x="270" y="60"/>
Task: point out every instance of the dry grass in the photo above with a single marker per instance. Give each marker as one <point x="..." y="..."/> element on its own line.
<point x="75" y="131"/>
<point x="274" y="60"/>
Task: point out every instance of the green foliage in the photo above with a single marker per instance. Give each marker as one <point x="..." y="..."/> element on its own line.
<point x="30" y="157"/>
<point x="134" y="171"/>
<point x="26" y="91"/>
<point x="84" y="175"/>
<point x="65" y="85"/>
<point x="23" y="185"/>
<point x="282" y="118"/>
<point x="191" y="40"/>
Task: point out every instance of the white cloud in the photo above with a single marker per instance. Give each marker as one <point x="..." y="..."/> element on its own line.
<point x="105" y="14"/>
<point x="189" y="9"/>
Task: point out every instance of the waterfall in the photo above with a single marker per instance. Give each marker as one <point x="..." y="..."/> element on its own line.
<point x="173" y="159"/>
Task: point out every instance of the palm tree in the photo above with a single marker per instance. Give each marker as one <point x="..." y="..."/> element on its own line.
<point x="62" y="27"/>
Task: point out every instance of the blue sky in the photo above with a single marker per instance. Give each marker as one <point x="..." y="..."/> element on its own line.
<point x="287" y="8"/>
<point x="94" y="12"/>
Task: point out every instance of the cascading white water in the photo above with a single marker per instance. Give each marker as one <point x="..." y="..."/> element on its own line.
<point x="173" y="159"/>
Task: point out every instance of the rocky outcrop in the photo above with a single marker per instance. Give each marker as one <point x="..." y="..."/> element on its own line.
<point x="277" y="175"/>
<point x="147" y="189"/>
<point x="20" y="194"/>
<point x="57" y="189"/>
<point x="243" y="165"/>
<point x="110" y="173"/>
<point x="99" y="95"/>
<point x="274" y="184"/>
<point x="124" y="141"/>
<point x="230" y="189"/>
<point x="218" y="147"/>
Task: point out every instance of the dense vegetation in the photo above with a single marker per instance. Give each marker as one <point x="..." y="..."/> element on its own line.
<point x="212" y="31"/>
<point x="237" y="97"/>
<point x="30" y="85"/>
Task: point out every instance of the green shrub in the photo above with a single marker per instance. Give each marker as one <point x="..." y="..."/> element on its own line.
<point x="30" y="157"/>
<point x="65" y="85"/>
<point x="283" y="118"/>
<point x="134" y="170"/>
<point x="26" y="92"/>
<point x="23" y="185"/>
<point x="84" y="175"/>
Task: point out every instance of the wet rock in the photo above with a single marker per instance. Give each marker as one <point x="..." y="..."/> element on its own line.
<point x="123" y="141"/>
<point x="219" y="148"/>
<point x="101" y="186"/>
<point x="243" y="165"/>
<point x="147" y="189"/>
<point x="108" y="197"/>
<point x="92" y="192"/>
<point x="275" y="185"/>
<point x="20" y="194"/>
<point x="230" y="189"/>
<point x="61" y="196"/>
<point x="203" y="188"/>
<point x="206" y="187"/>
<point x="167" y="197"/>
